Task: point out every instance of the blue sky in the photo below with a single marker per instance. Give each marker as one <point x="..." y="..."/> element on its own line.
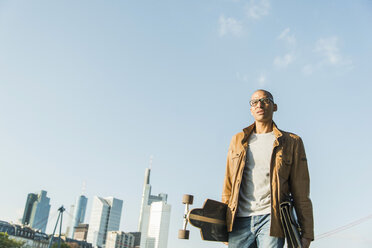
<point x="89" y="90"/>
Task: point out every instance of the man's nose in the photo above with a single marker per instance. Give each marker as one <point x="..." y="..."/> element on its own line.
<point x="259" y="104"/>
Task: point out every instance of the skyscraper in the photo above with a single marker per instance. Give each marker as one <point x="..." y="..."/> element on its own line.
<point x="105" y="216"/>
<point x="78" y="214"/>
<point x="36" y="211"/>
<point x="70" y="221"/>
<point x="154" y="217"/>
<point x="31" y="198"/>
<point x="118" y="239"/>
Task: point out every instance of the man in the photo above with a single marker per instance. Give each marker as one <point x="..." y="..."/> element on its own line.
<point x="265" y="166"/>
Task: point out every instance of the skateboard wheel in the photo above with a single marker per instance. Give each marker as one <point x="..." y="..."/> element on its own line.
<point x="187" y="199"/>
<point x="183" y="234"/>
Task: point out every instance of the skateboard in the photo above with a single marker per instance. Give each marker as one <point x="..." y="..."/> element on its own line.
<point x="210" y="219"/>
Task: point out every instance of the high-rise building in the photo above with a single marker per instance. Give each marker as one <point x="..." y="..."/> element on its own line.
<point x="31" y="198"/>
<point x="154" y="217"/>
<point x="105" y="216"/>
<point x="81" y="232"/>
<point x="118" y="239"/>
<point x="137" y="239"/>
<point x="78" y="216"/>
<point x="70" y="221"/>
<point x="36" y="211"/>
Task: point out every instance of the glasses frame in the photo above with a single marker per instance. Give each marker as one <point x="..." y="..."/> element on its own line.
<point x="254" y="103"/>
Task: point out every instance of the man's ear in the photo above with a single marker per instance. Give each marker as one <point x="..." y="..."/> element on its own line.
<point x="275" y="107"/>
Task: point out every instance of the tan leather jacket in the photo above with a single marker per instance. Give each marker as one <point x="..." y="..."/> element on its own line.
<point x="288" y="174"/>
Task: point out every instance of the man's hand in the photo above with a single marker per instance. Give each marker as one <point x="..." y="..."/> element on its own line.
<point x="305" y="242"/>
<point x="226" y="243"/>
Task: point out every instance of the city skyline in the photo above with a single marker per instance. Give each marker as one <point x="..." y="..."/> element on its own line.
<point x="106" y="214"/>
<point x="79" y="208"/>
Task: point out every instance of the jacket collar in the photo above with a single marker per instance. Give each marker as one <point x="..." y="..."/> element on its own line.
<point x="248" y="131"/>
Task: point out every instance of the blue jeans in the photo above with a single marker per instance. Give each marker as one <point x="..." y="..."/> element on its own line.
<point x="253" y="232"/>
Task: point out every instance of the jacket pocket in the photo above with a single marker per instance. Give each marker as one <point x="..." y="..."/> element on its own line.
<point x="284" y="168"/>
<point x="235" y="162"/>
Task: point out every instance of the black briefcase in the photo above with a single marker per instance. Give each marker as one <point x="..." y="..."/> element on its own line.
<point x="291" y="227"/>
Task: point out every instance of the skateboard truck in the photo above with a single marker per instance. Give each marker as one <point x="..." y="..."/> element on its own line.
<point x="187" y="200"/>
<point x="210" y="219"/>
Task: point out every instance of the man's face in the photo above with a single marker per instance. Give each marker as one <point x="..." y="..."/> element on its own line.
<point x="264" y="109"/>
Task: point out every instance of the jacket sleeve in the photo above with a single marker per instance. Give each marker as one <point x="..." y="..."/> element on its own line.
<point x="226" y="190"/>
<point x="300" y="189"/>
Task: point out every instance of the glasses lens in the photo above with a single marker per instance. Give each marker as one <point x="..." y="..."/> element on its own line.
<point x="254" y="102"/>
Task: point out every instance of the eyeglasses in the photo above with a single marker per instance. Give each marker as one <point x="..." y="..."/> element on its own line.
<point x="266" y="101"/>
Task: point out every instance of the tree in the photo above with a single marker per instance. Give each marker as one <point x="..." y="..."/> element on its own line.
<point x="6" y="242"/>
<point x="73" y="245"/>
<point x="63" y="245"/>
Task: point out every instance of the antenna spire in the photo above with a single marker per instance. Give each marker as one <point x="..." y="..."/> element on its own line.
<point x="151" y="158"/>
<point x="84" y="187"/>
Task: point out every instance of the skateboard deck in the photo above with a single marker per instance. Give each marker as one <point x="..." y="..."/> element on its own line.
<point x="211" y="219"/>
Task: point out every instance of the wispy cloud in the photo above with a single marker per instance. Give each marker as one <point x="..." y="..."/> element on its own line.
<point x="307" y="69"/>
<point x="285" y="35"/>
<point x="230" y="26"/>
<point x="328" y="48"/>
<point x="262" y="80"/>
<point x="241" y="77"/>
<point x="330" y="55"/>
<point x="284" y="61"/>
<point x="256" y="9"/>
<point x="290" y="40"/>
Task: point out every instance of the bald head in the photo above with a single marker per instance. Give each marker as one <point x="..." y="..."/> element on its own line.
<point x="267" y="93"/>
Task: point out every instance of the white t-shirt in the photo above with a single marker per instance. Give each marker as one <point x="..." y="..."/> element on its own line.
<point x="254" y="195"/>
